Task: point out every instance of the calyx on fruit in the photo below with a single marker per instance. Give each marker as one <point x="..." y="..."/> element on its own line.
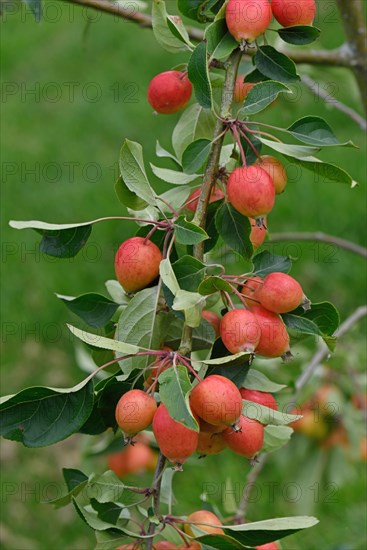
<point x="239" y="331"/>
<point x="281" y="293"/>
<point x="169" y="92"/>
<point x="258" y="234"/>
<point x="248" y="440"/>
<point x="137" y="263"/>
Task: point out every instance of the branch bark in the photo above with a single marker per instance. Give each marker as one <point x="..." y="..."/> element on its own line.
<point x="339" y="57"/>
<point x="354" y="20"/>
<point x="321" y="237"/>
<point x="157" y="481"/>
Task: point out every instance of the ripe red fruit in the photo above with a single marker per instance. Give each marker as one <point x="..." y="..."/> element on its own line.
<point x="251" y="191"/>
<point x="249" y="290"/>
<point x="135" y="411"/>
<point x="175" y="441"/>
<point x="132" y="459"/>
<point x="213" y="319"/>
<point x="239" y="331"/>
<point x="249" y="440"/>
<point x="247" y="19"/>
<point x="164" y="545"/>
<point x="169" y="92"/>
<point x="268" y="546"/>
<point x="274" y="339"/>
<point x="216" y="400"/>
<point x="311" y="424"/>
<point x="192" y="202"/>
<point x="210" y="443"/>
<point x="206" y="517"/>
<point x="261" y="397"/>
<point x="241" y="89"/>
<point x="137" y="263"/>
<point x="258" y="234"/>
<point x="276" y="171"/>
<point x="281" y="293"/>
<point x="289" y="13"/>
<point x="193" y="545"/>
<point x="210" y="428"/>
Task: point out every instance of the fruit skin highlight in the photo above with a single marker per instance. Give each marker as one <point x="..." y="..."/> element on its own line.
<point x="258" y="234"/>
<point x="280" y="293"/>
<point x="276" y="171"/>
<point x="249" y="440"/>
<point x="216" y="400"/>
<point x="247" y="19"/>
<point x="137" y="263"/>
<point x="175" y="441"/>
<point x="206" y="517"/>
<point x="294" y="12"/>
<point x="239" y="331"/>
<point x="135" y="411"/>
<point x="169" y="92"/>
<point x="274" y="339"/>
<point x="251" y="192"/>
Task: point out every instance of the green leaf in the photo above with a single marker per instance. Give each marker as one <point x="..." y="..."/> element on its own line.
<point x="168" y="276"/>
<point x="314" y="130"/>
<point x="116" y="292"/>
<point x="265" y="263"/>
<point x="195" y="155"/>
<point x="235" y="229"/>
<point x="220" y="42"/>
<point x="265" y="415"/>
<point x="288" y="149"/>
<point x="192" y="304"/>
<point x="222" y="542"/>
<point x="127" y="197"/>
<point x="323" y="171"/>
<point x="163" y="153"/>
<point x="189" y="272"/>
<point x="299" y="35"/>
<point x="275" y="65"/>
<point x="59" y="240"/>
<point x="237" y="359"/>
<point x="188" y="233"/>
<point x="190" y="8"/>
<point x="173" y="176"/>
<point x="174" y="387"/>
<point x="256" y="380"/>
<point x="136" y="325"/>
<point x="94" y="309"/>
<point x="275" y="437"/>
<point x="36" y="8"/>
<point x="214" y="284"/>
<point x="194" y="123"/>
<point x="175" y="197"/>
<point x="98" y="341"/>
<point x="105" y="487"/>
<point x="169" y="34"/>
<point x="76" y="481"/>
<point x="210" y="227"/>
<point x="91" y="518"/>
<point x="199" y="76"/>
<point x="42" y="416"/>
<point x="133" y="173"/>
<point x="261" y="532"/>
<point x="256" y="76"/>
<point x="301" y="326"/>
<point x="203" y="335"/>
<point x="324" y="315"/>
<point x="261" y="95"/>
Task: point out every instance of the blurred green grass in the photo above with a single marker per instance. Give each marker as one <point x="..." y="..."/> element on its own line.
<point x="72" y="147"/>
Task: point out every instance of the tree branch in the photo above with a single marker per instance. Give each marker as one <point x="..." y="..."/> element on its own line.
<point x="328" y="98"/>
<point x="354" y="20"/>
<point x="157" y="481"/>
<point x="322" y="237"/>
<point x="142" y="19"/>
<point x="339" y="57"/>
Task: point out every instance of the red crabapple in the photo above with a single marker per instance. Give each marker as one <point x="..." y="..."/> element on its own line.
<point x="137" y="263"/>
<point x="206" y="517"/>
<point x="276" y="171"/>
<point x="249" y="290"/>
<point x="247" y="19"/>
<point x="281" y="293"/>
<point x="241" y="89"/>
<point x="290" y="12"/>
<point x="169" y="92"/>
<point x="135" y="411"/>
<point x="248" y="440"/>
<point x="216" y="400"/>
<point x="274" y="339"/>
<point x="210" y="443"/>
<point x="257" y="234"/>
<point x="239" y="331"/>
<point x="260" y="397"/>
<point x="212" y="318"/>
<point x="192" y="202"/>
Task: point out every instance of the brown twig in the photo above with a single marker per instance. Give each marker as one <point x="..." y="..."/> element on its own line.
<point x="156" y="487"/>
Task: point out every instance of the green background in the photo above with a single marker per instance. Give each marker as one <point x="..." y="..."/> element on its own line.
<point x="72" y="90"/>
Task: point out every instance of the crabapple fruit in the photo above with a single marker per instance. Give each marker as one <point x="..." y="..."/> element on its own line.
<point x="311" y="424"/>
<point x="169" y="92"/>
<point x="241" y="89"/>
<point x="210" y="443"/>
<point x="137" y="263"/>
<point x="175" y="441"/>
<point x="290" y="13"/>
<point x="239" y="331"/>
<point x="192" y="202"/>
<point x="247" y="19"/>
<point x="281" y="293"/>
<point x="276" y="171"/>
<point x="260" y="397"/>
<point x="249" y="290"/>
<point x="206" y="517"/>
<point x="257" y="234"/>
<point x="251" y="192"/>
<point x="274" y="339"/>
<point x="193" y="545"/>
<point x="216" y="400"/>
<point x="164" y="545"/>
<point x="132" y="459"/>
<point x="213" y="319"/>
<point x="248" y="440"/>
<point x="135" y="411"/>
<point x="210" y="428"/>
